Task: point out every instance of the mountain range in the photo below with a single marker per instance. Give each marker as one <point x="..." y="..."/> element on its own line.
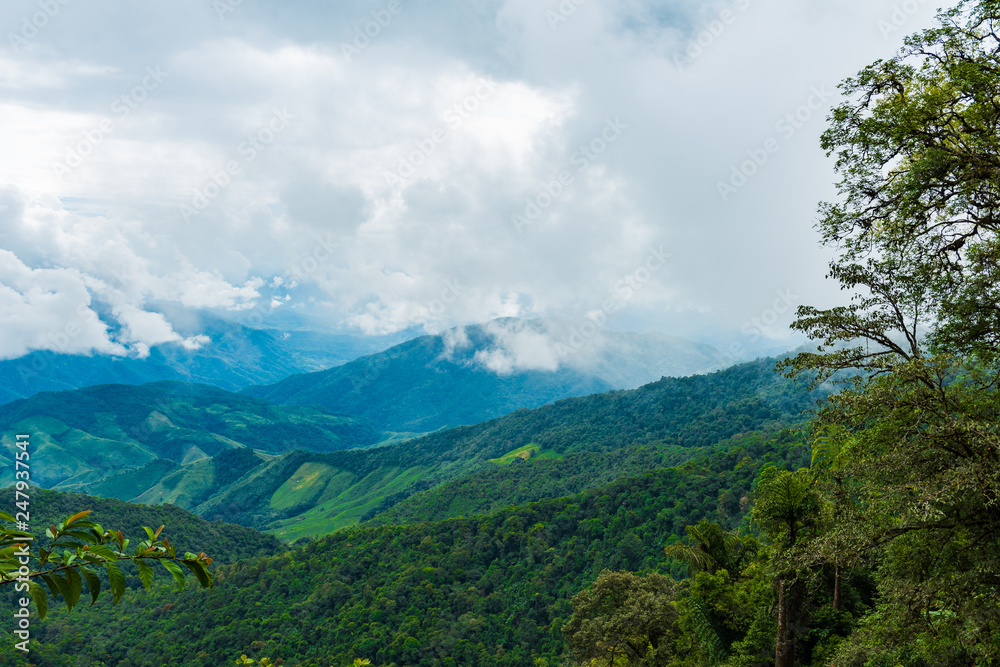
<point x="475" y="373"/>
<point x="303" y="471"/>
<point x="232" y="357"/>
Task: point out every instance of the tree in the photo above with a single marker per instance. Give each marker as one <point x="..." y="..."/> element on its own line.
<point x="711" y="548"/>
<point x="77" y="547"/>
<point x="788" y="509"/>
<point x="623" y="619"/>
<point x="917" y="228"/>
<point x="918" y="236"/>
<point x="713" y="602"/>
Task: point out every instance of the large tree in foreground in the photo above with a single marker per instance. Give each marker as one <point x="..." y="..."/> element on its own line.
<point x="918" y="150"/>
<point x="917" y="231"/>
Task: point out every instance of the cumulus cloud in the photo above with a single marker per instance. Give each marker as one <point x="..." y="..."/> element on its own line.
<point x="473" y="161"/>
<point x="518" y="346"/>
<point x="91" y="266"/>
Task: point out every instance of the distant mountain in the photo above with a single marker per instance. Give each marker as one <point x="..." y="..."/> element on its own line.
<point x="80" y="437"/>
<point x="236" y="357"/>
<point x="475" y="373"/>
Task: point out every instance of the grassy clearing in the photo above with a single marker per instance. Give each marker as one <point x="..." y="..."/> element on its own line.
<point x="526" y="452"/>
<point x="343" y="504"/>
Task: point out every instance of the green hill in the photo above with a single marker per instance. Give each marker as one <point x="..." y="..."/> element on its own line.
<point x="487" y="590"/>
<point x="301" y="472"/>
<point x="662" y="423"/>
<point x="79" y="437"/>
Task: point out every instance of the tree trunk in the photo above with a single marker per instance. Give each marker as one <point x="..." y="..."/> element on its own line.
<point x="784" y="654"/>
<point x="836" y="586"/>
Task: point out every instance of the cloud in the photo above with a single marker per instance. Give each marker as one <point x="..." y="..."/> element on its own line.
<point x="325" y="206"/>
<point x="394" y="197"/>
<point x="517" y="349"/>
<point x="90" y="295"/>
<point x="48" y="309"/>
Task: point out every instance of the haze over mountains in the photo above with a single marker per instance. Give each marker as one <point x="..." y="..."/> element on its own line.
<point x="231" y="356"/>
<point x="470" y="374"/>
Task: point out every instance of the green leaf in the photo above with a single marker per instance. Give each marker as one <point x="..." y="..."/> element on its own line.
<point x="117" y="580"/>
<point x="64" y="589"/>
<point x="93" y="584"/>
<point x="85" y="535"/>
<point x="104" y="552"/>
<point x="6" y="517"/>
<point x="145" y="573"/>
<point x="41" y="599"/>
<point x="174" y="569"/>
<point x="47" y="578"/>
<point x="200" y="572"/>
<point x="74" y="586"/>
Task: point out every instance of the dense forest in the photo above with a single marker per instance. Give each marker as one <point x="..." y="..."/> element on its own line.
<point x="488" y="590"/>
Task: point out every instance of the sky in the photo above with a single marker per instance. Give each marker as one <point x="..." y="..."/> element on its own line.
<point x="388" y="165"/>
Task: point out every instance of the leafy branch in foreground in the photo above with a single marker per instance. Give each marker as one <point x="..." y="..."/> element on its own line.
<point x="77" y="548"/>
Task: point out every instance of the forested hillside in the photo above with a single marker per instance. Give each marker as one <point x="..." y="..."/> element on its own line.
<point x="86" y="434"/>
<point x="302" y="494"/>
<point x="301" y="471"/>
<point x="485" y="590"/>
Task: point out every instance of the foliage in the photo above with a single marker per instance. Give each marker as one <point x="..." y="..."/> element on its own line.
<point x="710" y="548"/>
<point x="482" y="590"/>
<point x="77" y="547"/>
<point x="906" y="459"/>
<point x="623" y="619"/>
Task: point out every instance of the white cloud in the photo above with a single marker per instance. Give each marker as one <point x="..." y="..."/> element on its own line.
<point x="312" y="213"/>
<point x="47" y="309"/>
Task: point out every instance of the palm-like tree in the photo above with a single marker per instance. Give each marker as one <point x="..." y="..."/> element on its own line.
<point x="710" y="548"/>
